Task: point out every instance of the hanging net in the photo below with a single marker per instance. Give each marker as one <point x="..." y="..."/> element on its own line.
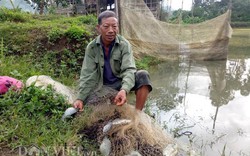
<point x="204" y="41"/>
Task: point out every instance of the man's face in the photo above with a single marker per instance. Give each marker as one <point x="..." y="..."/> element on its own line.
<point x="108" y="29"/>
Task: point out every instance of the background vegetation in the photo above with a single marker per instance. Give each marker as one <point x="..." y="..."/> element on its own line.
<point x="207" y="9"/>
<point x="42" y="40"/>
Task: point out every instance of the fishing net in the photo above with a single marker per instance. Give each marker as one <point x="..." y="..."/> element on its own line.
<point x="141" y="134"/>
<point x="204" y="41"/>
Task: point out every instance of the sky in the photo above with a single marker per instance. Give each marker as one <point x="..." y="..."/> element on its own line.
<point x="177" y="4"/>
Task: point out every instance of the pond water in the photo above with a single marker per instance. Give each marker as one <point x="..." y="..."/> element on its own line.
<point x="206" y="104"/>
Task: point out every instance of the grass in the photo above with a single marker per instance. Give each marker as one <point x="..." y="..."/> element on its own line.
<point x="33" y="117"/>
<point x="240" y="44"/>
<point x="56" y="40"/>
<point x="146" y="61"/>
<point x="1" y="50"/>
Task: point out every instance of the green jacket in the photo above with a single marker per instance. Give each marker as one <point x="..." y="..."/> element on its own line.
<point x="121" y="61"/>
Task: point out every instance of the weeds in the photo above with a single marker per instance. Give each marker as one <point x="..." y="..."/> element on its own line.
<point x="1" y="51"/>
<point x="146" y="62"/>
<point x="77" y="33"/>
<point x="13" y="15"/>
<point x="90" y="19"/>
<point x="34" y="117"/>
<point x="55" y="34"/>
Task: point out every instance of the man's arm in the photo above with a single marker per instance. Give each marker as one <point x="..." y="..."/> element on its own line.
<point x="128" y="69"/>
<point x="127" y="74"/>
<point x="88" y="77"/>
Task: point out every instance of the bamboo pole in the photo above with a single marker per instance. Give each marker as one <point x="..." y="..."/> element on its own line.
<point x="161" y="8"/>
<point x="170" y="6"/>
<point x="118" y="13"/>
<point x="192" y="11"/>
<point x="97" y="7"/>
<point x="230" y="9"/>
<point x="230" y="5"/>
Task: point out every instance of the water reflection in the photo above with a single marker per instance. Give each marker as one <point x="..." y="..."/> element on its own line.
<point x="209" y="99"/>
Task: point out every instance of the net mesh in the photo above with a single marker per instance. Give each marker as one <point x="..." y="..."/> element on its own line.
<point x="204" y="41"/>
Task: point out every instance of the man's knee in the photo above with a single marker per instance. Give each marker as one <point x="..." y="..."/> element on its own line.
<point x="142" y="73"/>
<point x="142" y="79"/>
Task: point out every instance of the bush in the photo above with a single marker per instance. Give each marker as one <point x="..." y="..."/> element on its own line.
<point x="13" y="15"/>
<point x="76" y="32"/>
<point x="54" y="34"/>
<point x="51" y="42"/>
<point x="33" y="117"/>
<point x="33" y="101"/>
<point x="89" y="19"/>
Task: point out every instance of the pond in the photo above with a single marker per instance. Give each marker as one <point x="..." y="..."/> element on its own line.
<point x="206" y="104"/>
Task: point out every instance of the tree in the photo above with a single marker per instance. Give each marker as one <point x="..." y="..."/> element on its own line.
<point x="45" y="4"/>
<point x="240" y="10"/>
<point x="209" y="9"/>
<point x="38" y="4"/>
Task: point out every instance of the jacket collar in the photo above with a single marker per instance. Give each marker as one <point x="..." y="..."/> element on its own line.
<point x="98" y="40"/>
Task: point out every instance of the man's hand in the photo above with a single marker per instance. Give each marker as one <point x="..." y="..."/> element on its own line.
<point x="78" y="104"/>
<point x="120" y="98"/>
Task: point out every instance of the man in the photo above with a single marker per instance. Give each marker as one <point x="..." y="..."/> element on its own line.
<point x="109" y="61"/>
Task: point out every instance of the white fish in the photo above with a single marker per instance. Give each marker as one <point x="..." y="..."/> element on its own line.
<point x="105" y="146"/>
<point x="69" y="112"/>
<point x="120" y="121"/>
<point x="108" y="126"/>
<point x="134" y="153"/>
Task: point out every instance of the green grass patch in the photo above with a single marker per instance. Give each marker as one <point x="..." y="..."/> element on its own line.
<point x="147" y="61"/>
<point x="33" y="116"/>
<point x="239" y="45"/>
<point x="57" y="39"/>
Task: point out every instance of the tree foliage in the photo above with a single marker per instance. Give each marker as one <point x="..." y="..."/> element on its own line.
<point x="240" y="10"/>
<point x="41" y="5"/>
<point x="207" y="9"/>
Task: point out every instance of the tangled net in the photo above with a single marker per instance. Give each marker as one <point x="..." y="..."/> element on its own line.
<point x="140" y="135"/>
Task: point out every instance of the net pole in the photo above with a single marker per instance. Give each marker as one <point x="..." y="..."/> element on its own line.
<point x="118" y="14"/>
<point x="182" y="4"/>
<point x="230" y="10"/>
<point x="230" y="5"/>
<point x="170" y="8"/>
<point x="161" y="8"/>
<point x="192" y="11"/>
<point x="98" y="8"/>
<point x="180" y="16"/>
